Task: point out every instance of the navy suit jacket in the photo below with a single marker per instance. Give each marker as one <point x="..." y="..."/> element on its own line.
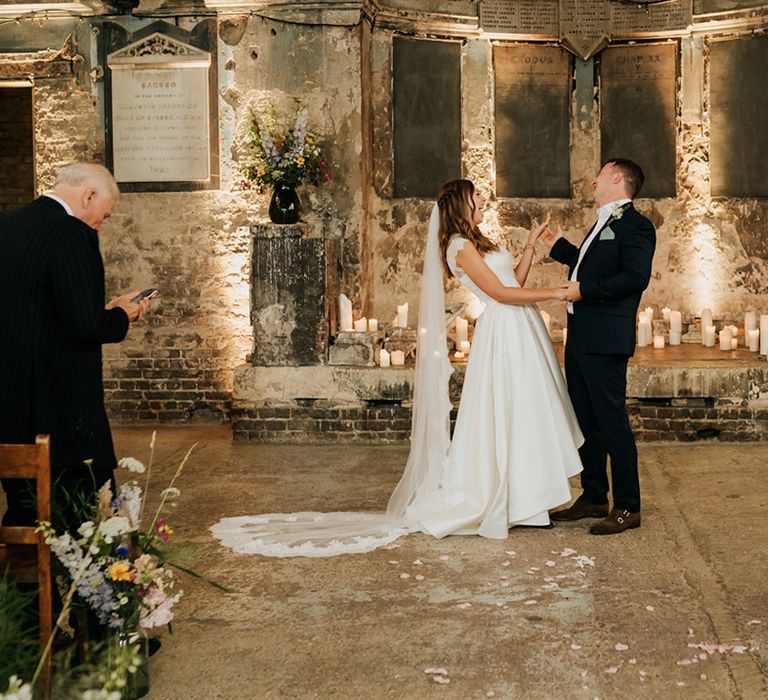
<point x="615" y="271"/>
<point x="53" y="325"/>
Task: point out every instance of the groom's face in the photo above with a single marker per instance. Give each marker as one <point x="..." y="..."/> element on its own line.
<point x="605" y="184"/>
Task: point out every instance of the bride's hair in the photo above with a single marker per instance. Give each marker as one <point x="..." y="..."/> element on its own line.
<point x="457" y="211"/>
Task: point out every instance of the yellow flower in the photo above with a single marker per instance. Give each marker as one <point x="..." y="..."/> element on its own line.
<point x="300" y="161"/>
<point x="120" y="571"/>
<point x="310" y="139"/>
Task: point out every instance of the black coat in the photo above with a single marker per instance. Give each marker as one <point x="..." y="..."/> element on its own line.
<point x="52" y="326"/>
<point x="612" y="276"/>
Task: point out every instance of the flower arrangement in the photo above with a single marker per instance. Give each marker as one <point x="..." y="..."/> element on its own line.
<point x="120" y="571"/>
<point x="280" y="155"/>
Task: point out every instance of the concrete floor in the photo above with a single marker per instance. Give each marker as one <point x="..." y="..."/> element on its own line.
<point x="490" y="613"/>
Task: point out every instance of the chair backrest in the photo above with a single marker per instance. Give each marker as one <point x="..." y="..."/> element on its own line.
<point x="34" y="462"/>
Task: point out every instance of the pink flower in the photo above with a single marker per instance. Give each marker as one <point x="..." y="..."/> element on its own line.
<point x="156" y="609"/>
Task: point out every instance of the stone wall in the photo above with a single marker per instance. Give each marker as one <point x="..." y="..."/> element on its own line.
<point x="17" y="171"/>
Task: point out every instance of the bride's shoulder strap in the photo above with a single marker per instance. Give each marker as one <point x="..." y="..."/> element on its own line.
<point x="454" y="246"/>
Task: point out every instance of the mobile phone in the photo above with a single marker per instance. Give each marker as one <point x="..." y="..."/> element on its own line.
<point x="146" y="294"/>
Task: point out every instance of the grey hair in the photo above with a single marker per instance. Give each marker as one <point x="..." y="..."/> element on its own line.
<point x="77" y="174"/>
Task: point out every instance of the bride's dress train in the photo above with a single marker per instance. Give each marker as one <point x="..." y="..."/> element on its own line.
<point x="515" y="442"/>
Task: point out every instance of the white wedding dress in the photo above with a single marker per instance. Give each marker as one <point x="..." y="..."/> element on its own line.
<point x="514" y="446"/>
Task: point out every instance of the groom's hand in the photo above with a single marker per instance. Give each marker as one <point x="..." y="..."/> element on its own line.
<point x="573" y="291"/>
<point x="549" y="237"/>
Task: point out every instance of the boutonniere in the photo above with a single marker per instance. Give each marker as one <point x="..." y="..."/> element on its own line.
<point x="618" y="211"/>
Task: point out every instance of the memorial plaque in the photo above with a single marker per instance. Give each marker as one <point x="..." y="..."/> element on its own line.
<point x="738" y="105"/>
<point x="160" y="111"/>
<point x="533" y="92"/>
<point x="637" y="111"/>
<point x="427" y="115"/>
<point x="585" y="26"/>
<point x="652" y="19"/>
<point x="520" y="17"/>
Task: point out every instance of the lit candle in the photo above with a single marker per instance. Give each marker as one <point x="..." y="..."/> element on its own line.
<point x="398" y="358"/>
<point x="676" y="321"/>
<point x="461" y="330"/>
<point x="764" y="334"/>
<point x="383" y="358"/>
<point x="373" y="324"/>
<point x="644" y="330"/>
<point x="402" y="316"/>
<point x="665" y="312"/>
<point x="750" y="323"/>
<point x="706" y="322"/>
<point x="459" y="355"/>
<point x="734" y="343"/>
<point x="709" y="336"/>
<point x="547" y="320"/>
<point x="345" y="313"/>
<point x="464" y="346"/>
<point x="649" y="313"/>
<point x="658" y="342"/>
<point x="754" y="340"/>
<point x="361" y="325"/>
<point x="725" y="340"/>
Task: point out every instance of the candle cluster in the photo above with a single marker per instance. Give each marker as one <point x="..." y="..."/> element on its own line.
<point x="727" y="338"/>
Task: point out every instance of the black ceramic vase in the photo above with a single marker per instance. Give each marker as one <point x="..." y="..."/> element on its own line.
<point x="285" y="206"/>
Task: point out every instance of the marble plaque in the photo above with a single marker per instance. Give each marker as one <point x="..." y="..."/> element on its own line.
<point x="520" y="17"/>
<point x="585" y="26"/>
<point x="667" y="17"/>
<point x="533" y="93"/>
<point x="637" y="106"/>
<point x="160" y="111"/>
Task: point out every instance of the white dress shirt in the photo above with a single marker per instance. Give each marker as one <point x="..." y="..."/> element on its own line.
<point x="603" y="214"/>
<point x="66" y="206"/>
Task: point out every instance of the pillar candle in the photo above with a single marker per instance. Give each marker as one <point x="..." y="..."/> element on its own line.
<point x="725" y="339"/>
<point x="709" y="336"/>
<point x="461" y="330"/>
<point x="644" y="330"/>
<point x="373" y="324"/>
<point x="764" y="334"/>
<point x="750" y="324"/>
<point x="675" y="321"/>
<point x="402" y="316"/>
<point x="465" y="346"/>
<point x="706" y="322"/>
<point x="665" y="312"/>
<point x="734" y="343"/>
<point x="547" y="320"/>
<point x="361" y="325"/>
<point x="675" y="337"/>
<point x="649" y="313"/>
<point x="398" y="358"/>
<point x="754" y="340"/>
<point x="345" y="313"/>
<point x="658" y="342"/>
<point x="383" y="358"/>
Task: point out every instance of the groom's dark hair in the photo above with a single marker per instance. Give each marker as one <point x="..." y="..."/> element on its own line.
<point x="633" y="175"/>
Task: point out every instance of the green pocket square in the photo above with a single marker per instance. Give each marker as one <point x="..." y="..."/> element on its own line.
<point x="607" y="235"/>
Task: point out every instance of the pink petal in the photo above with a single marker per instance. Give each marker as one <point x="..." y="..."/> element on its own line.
<point x="392" y="546"/>
<point x="462" y="606"/>
<point x="550" y="563"/>
<point x="418" y="562"/>
<point x="531" y="602"/>
<point x="419" y="577"/>
<point x="650" y="608"/>
<point x="444" y="557"/>
<point x="404" y="576"/>
<point x="575" y="647"/>
<point x="612" y="669"/>
<point x="620" y="647"/>
<point x="393" y="562"/>
<point x="567" y="552"/>
<point x="439" y="671"/>
<point x="442" y="680"/>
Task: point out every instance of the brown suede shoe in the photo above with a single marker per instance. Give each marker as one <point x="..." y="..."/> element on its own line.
<point x="580" y="509"/>
<point x="616" y="522"/>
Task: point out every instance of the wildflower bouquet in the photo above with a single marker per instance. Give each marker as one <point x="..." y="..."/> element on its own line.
<point x="280" y="155"/>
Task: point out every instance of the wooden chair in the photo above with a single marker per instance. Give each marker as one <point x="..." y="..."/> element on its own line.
<point x="25" y="563"/>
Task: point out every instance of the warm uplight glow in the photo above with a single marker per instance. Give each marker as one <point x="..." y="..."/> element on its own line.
<point x="706" y="272"/>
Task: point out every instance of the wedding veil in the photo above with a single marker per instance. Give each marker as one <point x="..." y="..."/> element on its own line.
<point x="326" y="534"/>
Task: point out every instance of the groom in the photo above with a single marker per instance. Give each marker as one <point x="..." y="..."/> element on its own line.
<point x="607" y="276"/>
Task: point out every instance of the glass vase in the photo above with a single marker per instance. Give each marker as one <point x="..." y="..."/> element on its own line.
<point x="285" y="206"/>
<point x="137" y="684"/>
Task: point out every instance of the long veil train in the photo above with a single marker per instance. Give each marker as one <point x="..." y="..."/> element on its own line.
<point x="312" y="534"/>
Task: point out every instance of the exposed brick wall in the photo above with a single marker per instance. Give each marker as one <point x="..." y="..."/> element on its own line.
<point x="17" y="176"/>
<point x="682" y="420"/>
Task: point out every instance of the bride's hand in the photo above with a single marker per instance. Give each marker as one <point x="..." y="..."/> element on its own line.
<point x="537" y="231"/>
<point x="560" y="293"/>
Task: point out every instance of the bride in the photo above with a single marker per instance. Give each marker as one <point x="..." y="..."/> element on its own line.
<point x="516" y="439"/>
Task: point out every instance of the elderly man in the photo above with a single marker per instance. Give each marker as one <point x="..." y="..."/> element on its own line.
<point x="54" y="321"/>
